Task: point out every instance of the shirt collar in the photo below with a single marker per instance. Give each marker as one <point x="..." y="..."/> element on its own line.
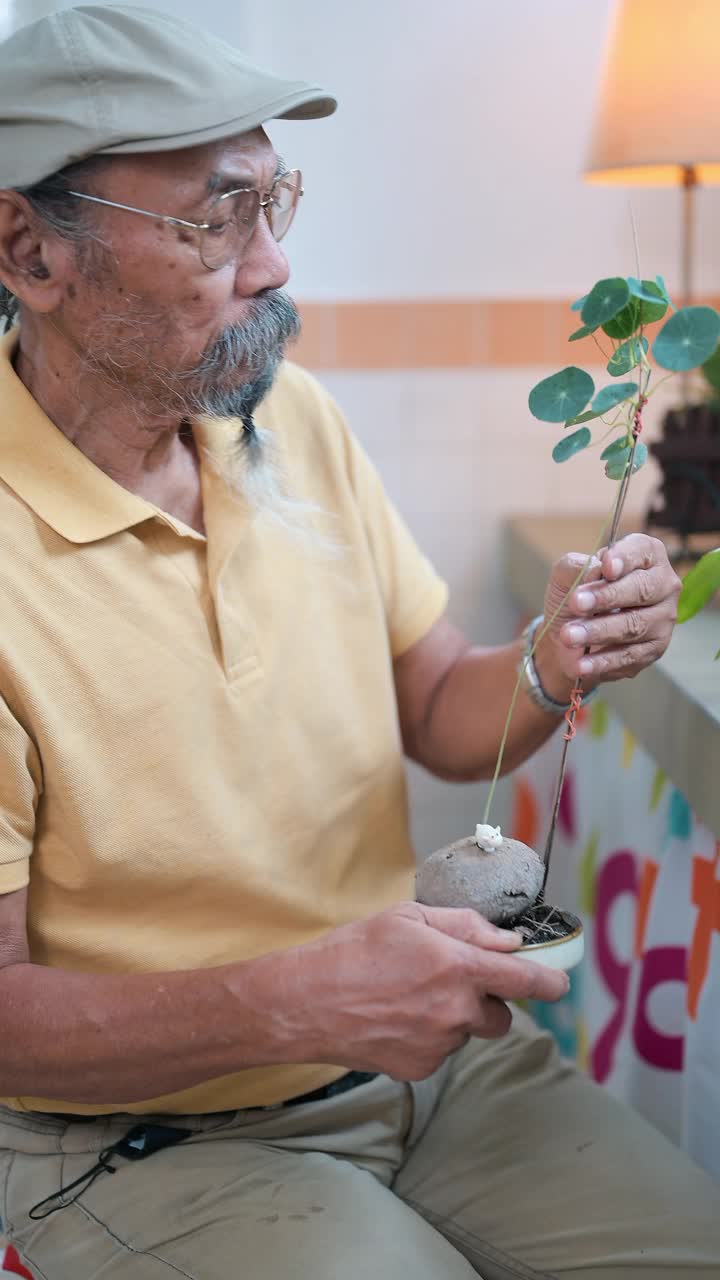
<point x="67" y="491"/>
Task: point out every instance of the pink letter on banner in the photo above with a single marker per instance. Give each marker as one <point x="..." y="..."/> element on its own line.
<point x="618" y="875"/>
<point x="662" y="964"/>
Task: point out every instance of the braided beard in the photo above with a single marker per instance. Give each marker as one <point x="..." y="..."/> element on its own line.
<point x="256" y="347"/>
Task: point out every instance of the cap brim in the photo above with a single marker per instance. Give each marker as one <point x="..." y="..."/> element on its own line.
<point x="310" y="103"/>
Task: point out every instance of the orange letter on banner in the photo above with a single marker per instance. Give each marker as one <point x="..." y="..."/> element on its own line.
<point x="706" y="897"/>
<point x="646" y="889"/>
<point x="525" y="824"/>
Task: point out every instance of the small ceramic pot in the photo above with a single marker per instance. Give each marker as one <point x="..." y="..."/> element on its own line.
<point x="563" y="953"/>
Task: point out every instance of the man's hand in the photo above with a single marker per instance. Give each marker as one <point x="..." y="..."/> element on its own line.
<point x="623" y="611"/>
<point x="400" y="991"/>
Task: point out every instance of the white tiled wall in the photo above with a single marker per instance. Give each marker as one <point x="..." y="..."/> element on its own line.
<point x="453" y="169"/>
<point x="459" y="453"/>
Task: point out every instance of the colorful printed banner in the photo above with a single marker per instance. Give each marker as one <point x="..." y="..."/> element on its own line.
<point x="644" y="875"/>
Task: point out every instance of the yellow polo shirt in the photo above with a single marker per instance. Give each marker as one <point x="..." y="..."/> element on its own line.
<point x="200" y="759"/>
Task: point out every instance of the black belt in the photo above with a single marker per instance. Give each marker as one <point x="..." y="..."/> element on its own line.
<point x="352" y="1080"/>
<point x="145" y="1139"/>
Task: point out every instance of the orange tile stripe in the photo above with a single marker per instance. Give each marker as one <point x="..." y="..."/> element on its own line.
<point x="463" y="334"/>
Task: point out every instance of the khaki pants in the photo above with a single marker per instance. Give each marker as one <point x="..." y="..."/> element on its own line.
<point x="507" y="1164"/>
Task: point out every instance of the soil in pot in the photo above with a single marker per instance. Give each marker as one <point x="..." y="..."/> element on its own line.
<point x="542" y="924"/>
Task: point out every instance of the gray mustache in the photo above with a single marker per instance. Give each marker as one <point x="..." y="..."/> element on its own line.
<point x="262" y="338"/>
<point x="237" y="370"/>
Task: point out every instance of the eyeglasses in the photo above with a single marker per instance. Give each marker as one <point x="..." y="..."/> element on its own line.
<point x="232" y="218"/>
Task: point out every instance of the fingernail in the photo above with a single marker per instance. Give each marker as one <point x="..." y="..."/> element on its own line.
<point x="577" y="635"/>
<point x="585" y="666"/>
<point x="584" y="600"/>
<point x="616" y="567"/>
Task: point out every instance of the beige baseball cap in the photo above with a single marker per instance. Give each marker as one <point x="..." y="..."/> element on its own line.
<point x="115" y="78"/>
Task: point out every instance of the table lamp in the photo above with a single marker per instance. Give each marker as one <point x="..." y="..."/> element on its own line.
<point x="657" y="123"/>
<point x="658" y="113"/>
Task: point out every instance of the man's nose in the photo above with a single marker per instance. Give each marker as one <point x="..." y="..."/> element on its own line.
<point x="264" y="265"/>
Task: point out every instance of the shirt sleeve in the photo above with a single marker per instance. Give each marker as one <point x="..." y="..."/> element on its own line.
<point x="414" y="595"/>
<point x="19" y="792"/>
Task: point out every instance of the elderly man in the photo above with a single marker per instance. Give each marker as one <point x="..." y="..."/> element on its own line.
<point x="231" y="1044"/>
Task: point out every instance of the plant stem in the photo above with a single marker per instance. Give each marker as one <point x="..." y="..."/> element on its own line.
<point x="578" y="690"/>
<point x="567" y="737"/>
<point x="542" y="632"/>
<point x="599" y="346"/>
<point x="614" y="521"/>
<point x="659" y="384"/>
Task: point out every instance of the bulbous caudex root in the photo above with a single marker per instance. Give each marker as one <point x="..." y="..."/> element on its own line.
<point x="500" y="883"/>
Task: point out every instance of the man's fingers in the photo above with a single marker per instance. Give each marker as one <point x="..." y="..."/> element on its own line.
<point x="513" y="978"/>
<point x="566" y="570"/>
<point x="637" y="589"/>
<point x="466" y="925"/>
<point x="616" y="664"/>
<point x="635" y="551"/>
<point x="494" y="1019"/>
<point x="627" y="627"/>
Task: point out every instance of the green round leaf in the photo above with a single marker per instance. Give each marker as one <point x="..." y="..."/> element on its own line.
<point x="641" y="456"/>
<point x="627" y="356"/>
<point x="612" y="395"/>
<point x="687" y="339"/>
<point x="561" y="396"/>
<point x="663" y="289"/>
<point x="650" y="312"/>
<point x="571" y="445"/>
<point x="647" y="308"/>
<point x="624" y="324"/>
<point x="618" y="446"/>
<point x="605" y="300"/>
<point x="616" y="465"/>
<point x="638" y="289"/>
<point x="653" y="294"/>
<point x="711" y="369"/>
<point x="700" y="585"/>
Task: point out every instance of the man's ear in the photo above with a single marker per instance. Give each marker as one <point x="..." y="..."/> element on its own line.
<point x="31" y="258"/>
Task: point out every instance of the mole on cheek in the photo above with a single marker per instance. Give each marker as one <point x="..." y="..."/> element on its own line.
<point x="72" y="291"/>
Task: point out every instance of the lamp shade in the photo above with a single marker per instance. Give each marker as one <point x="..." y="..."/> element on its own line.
<point x="658" y="112"/>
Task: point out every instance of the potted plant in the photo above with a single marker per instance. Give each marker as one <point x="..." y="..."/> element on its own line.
<point x="688" y="453"/>
<point x="502" y="878"/>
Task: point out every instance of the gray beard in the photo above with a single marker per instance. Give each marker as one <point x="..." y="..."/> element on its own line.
<point x="233" y="375"/>
<point x="256" y="347"/>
